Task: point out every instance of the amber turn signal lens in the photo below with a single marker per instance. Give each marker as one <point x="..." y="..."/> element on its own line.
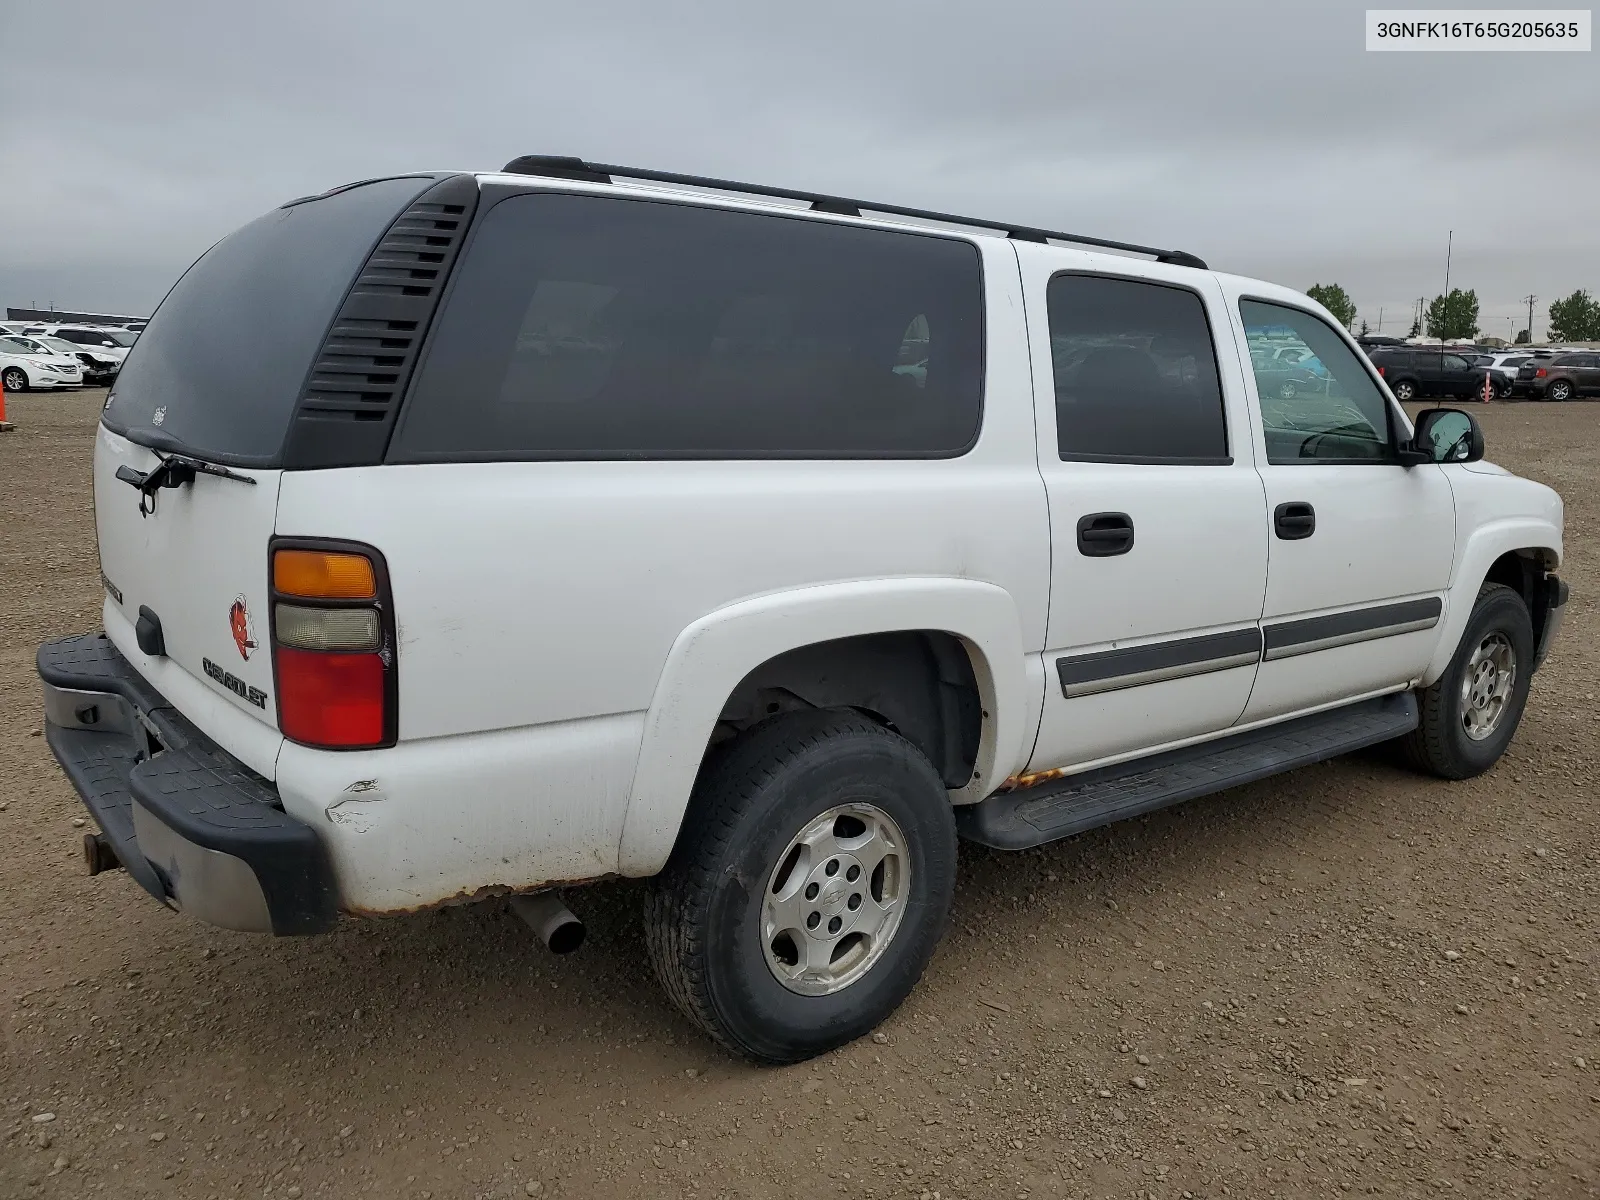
<point x="319" y="575"/>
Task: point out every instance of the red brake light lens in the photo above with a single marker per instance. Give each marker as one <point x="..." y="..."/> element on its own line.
<point x="334" y="700"/>
<point x="1539" y="373"/>
<point x="1383" y="371"/>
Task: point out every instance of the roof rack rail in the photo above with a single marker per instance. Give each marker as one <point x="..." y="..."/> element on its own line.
<point x="555" y="166"/>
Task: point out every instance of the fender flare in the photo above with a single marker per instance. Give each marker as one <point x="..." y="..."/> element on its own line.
<point x="1486" y="544"/>
<point x="711" y="656"/>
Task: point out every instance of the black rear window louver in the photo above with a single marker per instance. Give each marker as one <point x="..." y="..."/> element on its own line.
<point x="348" y="405"/>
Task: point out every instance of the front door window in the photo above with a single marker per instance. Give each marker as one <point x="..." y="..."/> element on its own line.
<point x="1324" y="407"/>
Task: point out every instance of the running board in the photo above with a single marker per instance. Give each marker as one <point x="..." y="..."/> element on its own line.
<point x="1071" y="804"/>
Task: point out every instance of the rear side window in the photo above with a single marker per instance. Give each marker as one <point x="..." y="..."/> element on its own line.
<point x="1135" y="372"/>
<point x="599" y="328"/>
<point x="220" y="366"/>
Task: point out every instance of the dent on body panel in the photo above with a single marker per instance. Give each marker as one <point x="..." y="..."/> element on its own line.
<point x="356" y="806"/>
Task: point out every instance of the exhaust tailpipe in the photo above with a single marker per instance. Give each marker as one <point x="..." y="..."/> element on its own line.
<point x="98" y="855"/>
<point x="553" y="921"/>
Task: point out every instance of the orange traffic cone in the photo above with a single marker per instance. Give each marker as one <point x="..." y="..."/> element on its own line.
<point x="5" y="425"/>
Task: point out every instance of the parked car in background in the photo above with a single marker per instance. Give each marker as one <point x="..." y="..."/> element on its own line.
<point x="1416" y="372"/>
<point x="111" y="343"/>
<point x="26" y="366"/>
<point x="1275" y="377"/>
<point x="1528" y="371"/>
<point x="1501" y="367"/>
<point x="99" y="367"/>
<point x="1563" y="377"/>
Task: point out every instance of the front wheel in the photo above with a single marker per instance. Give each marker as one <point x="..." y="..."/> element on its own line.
<point x="808" y="889"/>
<point x="1471" y="712"/>
<point x="15" y="379"/>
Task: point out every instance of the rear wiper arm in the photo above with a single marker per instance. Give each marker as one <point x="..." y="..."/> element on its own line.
<point x="174" y="470"/>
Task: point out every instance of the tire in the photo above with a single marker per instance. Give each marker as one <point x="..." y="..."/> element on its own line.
<point x="708" y="919"/>
<point x="15" y="379"/>
<point x="1559" y="391"/>
<point x="1442" y="744"/>
<point x="1404" y="390"/>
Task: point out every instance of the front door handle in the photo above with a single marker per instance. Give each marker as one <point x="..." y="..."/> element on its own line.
<point x="1294" y="520"/>
<point x="1102" y="535"/>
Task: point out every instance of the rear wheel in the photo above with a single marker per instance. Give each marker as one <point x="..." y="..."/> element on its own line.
<point x="1404" y="389"/>
<point x="809" y="887"/>
<point x="1471" y="712"/>
<point x="1559" y="391"/>
<point x="15" y="379"/>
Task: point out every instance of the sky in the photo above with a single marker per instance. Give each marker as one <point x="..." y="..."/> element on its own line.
<point x="1261" y="136"/>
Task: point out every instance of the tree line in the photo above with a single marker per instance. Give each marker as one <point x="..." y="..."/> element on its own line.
<point x="1576" y="318"/>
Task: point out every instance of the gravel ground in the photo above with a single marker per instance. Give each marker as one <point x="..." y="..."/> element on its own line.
<point x="1346" y="980"/>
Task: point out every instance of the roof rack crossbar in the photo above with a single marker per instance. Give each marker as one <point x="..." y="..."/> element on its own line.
<point x="558" y="167"/>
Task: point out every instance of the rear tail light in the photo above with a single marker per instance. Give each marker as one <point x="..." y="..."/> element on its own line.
<point x="333" y="646"/>
<point x="1538" y="372"/>
<point x="1382" y="371"/>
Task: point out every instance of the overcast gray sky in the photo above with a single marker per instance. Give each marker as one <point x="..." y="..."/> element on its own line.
<point x="1259" y="135"/>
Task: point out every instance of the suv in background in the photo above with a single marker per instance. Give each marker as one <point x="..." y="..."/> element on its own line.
<point x="700" y="583"/>
<point x="1563" y="376"/>
<point x="1415" y="372"/>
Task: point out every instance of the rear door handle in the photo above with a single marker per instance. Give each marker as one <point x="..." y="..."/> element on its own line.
<point x="1294" y="520"/>
<point x="1103" y="535"/>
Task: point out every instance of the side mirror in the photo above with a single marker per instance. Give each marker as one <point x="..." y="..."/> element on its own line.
<point x="1447" y="435"/>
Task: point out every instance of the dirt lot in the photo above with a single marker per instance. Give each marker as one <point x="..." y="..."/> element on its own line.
<point x="1349" y="980"/>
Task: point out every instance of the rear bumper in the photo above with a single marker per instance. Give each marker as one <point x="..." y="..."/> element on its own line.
<point x="195" y="827"/>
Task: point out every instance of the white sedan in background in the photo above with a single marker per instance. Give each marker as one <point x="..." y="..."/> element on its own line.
<point x="110" y="343"/>
<point x="23" y="367"/>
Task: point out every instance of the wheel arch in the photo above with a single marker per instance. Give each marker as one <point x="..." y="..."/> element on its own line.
<point x="723" y="662"/>
<point x="1516" y="553"/>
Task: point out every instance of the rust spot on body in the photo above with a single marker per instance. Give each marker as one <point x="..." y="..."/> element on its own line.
<point x="1018" y="782"/>
<point x="475" y="895"/>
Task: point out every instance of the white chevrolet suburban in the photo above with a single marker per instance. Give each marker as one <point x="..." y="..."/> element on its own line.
<point x="468" y="535"/>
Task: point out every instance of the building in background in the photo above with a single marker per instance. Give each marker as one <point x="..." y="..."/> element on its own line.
<point x="61" y="316"/>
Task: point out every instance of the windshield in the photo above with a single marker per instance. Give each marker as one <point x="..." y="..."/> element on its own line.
<point x="220" y="366"/>
<point x="59" y="346"/>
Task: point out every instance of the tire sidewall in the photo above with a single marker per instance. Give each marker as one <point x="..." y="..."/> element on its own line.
<point x="1406" y="386"/>
<point x="759" y="1011"/>
<point x="1501" y="611"/>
